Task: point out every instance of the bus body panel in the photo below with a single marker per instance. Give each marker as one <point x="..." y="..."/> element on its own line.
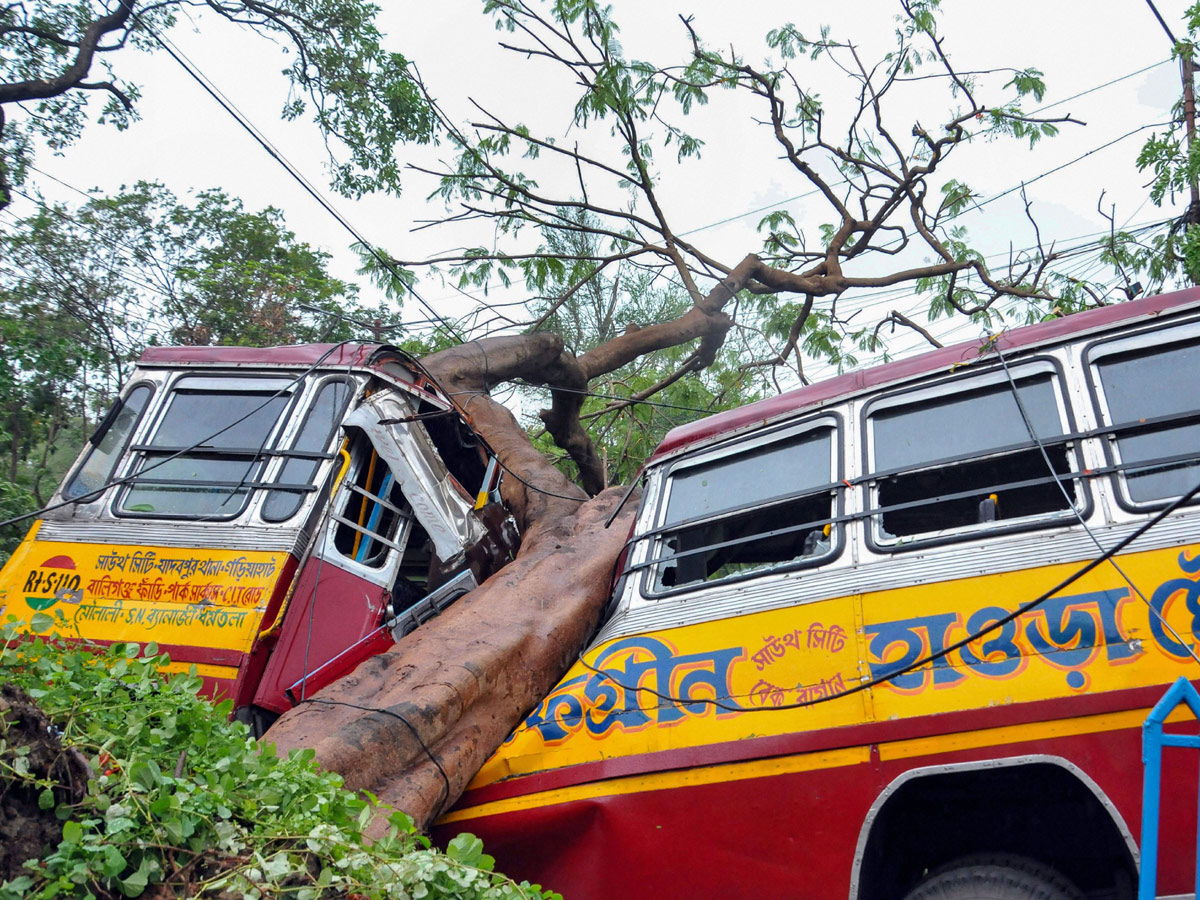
<point x="870" y="627"/>
<point x="784" y="826"/>
<point x="207" y="604"/>
<point x="1096" y="638"/>
<point x="332" y="624"/>
<point x="235" y="508"/>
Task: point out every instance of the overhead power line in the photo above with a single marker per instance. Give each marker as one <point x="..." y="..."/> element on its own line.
<point x="276" y="155"/>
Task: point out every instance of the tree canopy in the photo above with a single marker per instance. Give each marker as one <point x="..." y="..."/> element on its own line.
<point x="54" y="57"/>
<point x="83" y="291"/>
<point x="569" y="216"/>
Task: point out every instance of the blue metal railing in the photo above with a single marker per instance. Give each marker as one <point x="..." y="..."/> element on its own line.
<point x="1153" y="741"/>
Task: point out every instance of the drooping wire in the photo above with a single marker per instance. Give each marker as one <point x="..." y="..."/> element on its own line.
<point x="993" y="343"/>
<point x="416" y="735"/>
<point x="932" y="657"/>
<point x="326" y="518"/>
<point x="534" y="487"/>
<point x="379" y="257"/>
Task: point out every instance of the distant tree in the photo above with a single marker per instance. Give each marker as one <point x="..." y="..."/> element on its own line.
<point x="83" y="291"/>
<point x="54" y="56"/>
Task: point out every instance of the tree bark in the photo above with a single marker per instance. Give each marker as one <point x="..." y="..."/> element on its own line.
<point x="414" y="724"/>
<point x="461" y="682"/>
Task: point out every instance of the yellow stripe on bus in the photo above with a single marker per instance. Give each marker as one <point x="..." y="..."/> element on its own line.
<point x="203" y="670"/>
<point x="636" y="784"/>
<point x="1015" y="734"/>
<point x="763" y="768"/>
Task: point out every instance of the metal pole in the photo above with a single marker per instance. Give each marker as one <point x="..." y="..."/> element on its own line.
<point x="1152" y="767"/>
<point x="1189" y="120"/>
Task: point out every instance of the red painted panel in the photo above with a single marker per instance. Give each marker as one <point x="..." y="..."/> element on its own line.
<point x="322" y="621"/>
<point x="299" y="355"/>
<point x="787" y="835"/>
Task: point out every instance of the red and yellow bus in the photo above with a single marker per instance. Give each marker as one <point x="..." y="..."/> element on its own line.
<point x="269" y="516"/>
<point x="891" y="635"/>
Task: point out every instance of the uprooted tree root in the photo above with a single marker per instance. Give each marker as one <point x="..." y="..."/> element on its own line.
<point x="32" y="761"/>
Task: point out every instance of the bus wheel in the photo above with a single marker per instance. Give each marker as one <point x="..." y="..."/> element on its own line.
<point x="994" y="877"/>
<point x="256" y="717"/>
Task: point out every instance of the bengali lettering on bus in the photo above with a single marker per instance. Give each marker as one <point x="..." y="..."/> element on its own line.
<point x="1070" y="634"/>
<point x="627" y="689"/>
<point x="805" y="659"/>
<point x="120" y="593"/>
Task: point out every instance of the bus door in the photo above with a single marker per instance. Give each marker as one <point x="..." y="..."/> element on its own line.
<point x="395" y="529"/>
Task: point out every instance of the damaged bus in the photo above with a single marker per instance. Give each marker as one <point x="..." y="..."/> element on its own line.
<point x="892" y="635"/>
<point x="269" y="516"/>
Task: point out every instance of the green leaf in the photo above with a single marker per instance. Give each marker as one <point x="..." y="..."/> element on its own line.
<point x="468" y="849"/>
<point x="72" y="832"/>
<point x="114" y="863"/>
<point x="146" y="773"/>
<point x="135" y="885"/>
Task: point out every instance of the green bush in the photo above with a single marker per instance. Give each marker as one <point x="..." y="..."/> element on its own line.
<point x="184" y="798"/>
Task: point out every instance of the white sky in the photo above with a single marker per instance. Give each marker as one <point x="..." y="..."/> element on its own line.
<point x="186" y="141"/>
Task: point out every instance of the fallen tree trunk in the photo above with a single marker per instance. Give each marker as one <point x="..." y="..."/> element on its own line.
<point x="414" y="724"/>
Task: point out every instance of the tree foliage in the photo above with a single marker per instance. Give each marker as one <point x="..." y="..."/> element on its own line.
<point x="567" y="216"/>
<point x="617" y="411"/>
<point x="54" y="56"/>
<point x="83" y="291"/>
<point x="181" y="797"/>
<point x="1172" y="158"/>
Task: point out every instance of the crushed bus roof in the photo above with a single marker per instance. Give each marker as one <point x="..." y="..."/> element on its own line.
<point x="793" y="401"/>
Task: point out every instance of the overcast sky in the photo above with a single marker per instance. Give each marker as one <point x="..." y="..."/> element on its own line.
<point x="186" y="141"/>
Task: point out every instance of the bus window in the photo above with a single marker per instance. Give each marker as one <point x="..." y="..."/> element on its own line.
<point x="300" y="472"/>
<point x="108" y="443"/>
<point x="372" y="510"/>
<point x="1154" y="419"/>
<point x="957" y="460"/>
<point x="208" y="449"/>
<point x="762" y="506"/>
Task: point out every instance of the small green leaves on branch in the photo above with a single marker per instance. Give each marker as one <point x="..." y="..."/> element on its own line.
<point x="182" y="798"/>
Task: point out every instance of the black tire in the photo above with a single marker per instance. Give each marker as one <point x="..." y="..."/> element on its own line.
<point x="256" y="717"/>
<point x="994" y="877"/>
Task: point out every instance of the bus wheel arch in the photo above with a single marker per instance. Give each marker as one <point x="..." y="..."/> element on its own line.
<point x="1037" y="807"/>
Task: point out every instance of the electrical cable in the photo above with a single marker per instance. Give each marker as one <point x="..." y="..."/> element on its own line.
<point x="300" y="180"/>
<point x="324" y="527"/>
<point x="994" y="345"/>
<point x="932" y="657"/>
<point x="1105" y="556"/>
<point x="1065" y="165"/>
<point x="534" y="487"/>
<point x="416" y="735"/>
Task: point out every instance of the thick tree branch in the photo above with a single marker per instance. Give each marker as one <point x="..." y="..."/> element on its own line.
<point x="77" y="71"/>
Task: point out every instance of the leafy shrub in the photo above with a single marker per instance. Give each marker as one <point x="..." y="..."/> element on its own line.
<point x="183" y="798"/>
